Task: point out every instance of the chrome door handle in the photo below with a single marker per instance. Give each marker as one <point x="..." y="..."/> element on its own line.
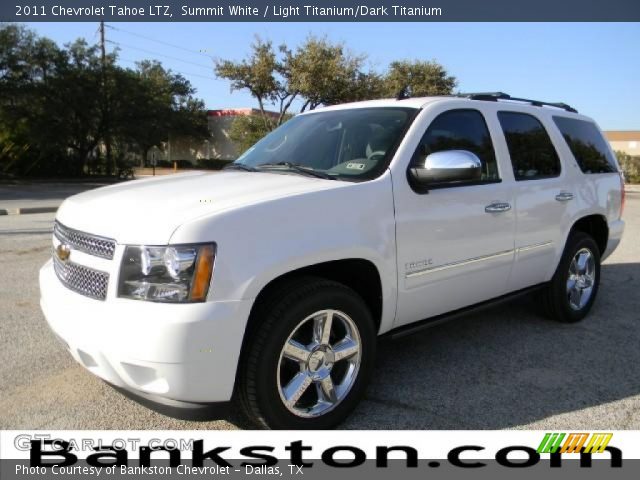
<point x="564" y="196"/>
<point x="497" y="207"/>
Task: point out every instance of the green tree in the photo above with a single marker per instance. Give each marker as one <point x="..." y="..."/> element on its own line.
<point x="316" y="73"/>
<point x="154" y="104"/>
<point x="257" y="74"/>
<point x="53" y="105"/>
<point x="73" y="107"/>
<point x="319" y="72"/>
<point x="246" y="130"/>
<point x="630" y="165"/>
<point x="418" y="78"/>
<point x="324" y="73"/>
<point x="34" y="133"/>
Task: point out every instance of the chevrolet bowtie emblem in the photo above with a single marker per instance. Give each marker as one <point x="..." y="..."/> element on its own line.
<point x="63" y="251"/>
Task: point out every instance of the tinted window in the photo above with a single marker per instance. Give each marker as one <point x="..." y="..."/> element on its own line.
<point x="461" y="130"/>
<point x="530" y="148"/>
<point x="587" y="145"/>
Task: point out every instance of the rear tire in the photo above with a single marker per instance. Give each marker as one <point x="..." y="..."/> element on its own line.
<point x="570" y="294"/>
<point x="309" y="359"/>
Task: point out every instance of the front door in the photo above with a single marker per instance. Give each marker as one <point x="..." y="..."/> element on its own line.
<point x="455" y="243"/>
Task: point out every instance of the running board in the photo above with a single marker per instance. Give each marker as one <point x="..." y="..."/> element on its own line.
<point x="405" y="330"/>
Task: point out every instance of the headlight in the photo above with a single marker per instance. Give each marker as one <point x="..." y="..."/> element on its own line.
<point x="172" y="274"/>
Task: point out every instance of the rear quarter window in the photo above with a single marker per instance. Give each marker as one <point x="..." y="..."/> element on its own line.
<point x="533" y="156"/>
<point x="587" y="145"/>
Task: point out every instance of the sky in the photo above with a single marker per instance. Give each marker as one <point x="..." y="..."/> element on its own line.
<point x="594" y="67"/>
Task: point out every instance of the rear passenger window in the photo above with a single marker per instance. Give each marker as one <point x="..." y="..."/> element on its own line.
<point x="587" y="145"/>
<point x="532" y="154"/>
<point x="461" y="129"/>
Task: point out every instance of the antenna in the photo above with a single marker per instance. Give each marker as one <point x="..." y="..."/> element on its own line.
<point x="403" y="93"/>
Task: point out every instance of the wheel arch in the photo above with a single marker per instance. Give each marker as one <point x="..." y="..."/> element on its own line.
<point x="361" y="275"/>
<point x="594" y="225"/>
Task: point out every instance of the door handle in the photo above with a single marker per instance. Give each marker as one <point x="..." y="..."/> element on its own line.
<point x="564" y="196"/>
<point x="498" y="207"/>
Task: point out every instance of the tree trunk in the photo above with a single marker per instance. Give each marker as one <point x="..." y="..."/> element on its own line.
<point x="283" y="110"/>
<point x="145" y="154"/>
<point x="263" y="113"/>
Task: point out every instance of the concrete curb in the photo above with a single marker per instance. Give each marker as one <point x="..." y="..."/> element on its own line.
<point x="27" y="210"/>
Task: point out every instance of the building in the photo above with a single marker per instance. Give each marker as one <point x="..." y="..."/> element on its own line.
<point x="217" y="147"/>
<point x="627" y="141"/>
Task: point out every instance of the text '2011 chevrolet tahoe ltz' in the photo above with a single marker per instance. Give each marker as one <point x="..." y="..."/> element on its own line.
<point x="268" y="283"/>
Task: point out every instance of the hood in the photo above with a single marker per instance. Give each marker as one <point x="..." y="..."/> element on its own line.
<point x="148" y="211"/>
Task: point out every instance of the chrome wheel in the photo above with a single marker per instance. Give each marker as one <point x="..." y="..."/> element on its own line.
<point x="319" y="363"/>
<point x="582" y="278"/>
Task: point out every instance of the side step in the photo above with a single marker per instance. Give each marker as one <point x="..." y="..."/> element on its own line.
<point x="405" y="330"/>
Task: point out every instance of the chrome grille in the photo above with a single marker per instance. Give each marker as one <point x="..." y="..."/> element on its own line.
<point x="83" y="280"/>
<point x="85" y="242"/>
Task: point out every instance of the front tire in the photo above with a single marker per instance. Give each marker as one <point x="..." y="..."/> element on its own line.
<point x="309" y="359"/>
<point x="570" y="294"/>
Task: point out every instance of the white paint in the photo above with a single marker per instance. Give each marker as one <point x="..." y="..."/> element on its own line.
<point x="268" y="224"/>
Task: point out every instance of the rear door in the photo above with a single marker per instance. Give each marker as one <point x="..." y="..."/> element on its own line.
<point x="454" y="242"/>
<point x="542" y="197"/>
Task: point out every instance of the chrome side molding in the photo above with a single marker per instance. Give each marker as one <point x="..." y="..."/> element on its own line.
<point x="469" y="261"/>
<point x="460" y="263"/>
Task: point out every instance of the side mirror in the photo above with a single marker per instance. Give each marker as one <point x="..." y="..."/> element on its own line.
<point x="446" y="167"/>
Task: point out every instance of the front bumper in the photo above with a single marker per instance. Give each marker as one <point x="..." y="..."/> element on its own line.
<point x="182" y="352"/>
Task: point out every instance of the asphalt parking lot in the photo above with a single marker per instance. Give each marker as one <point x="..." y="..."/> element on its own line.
<point x="508" y="367"/>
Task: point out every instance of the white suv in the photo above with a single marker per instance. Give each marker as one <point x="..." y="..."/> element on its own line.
<point x="268" y="283"/>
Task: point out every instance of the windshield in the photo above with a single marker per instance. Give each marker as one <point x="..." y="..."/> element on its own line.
<point x="355" y="143"/>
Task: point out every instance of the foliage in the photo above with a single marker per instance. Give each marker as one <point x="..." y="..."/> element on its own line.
<point x="419" y="78"/>
<point x="246" y="130"/>
<point x="318" y="72"/>
<point x="164" y="105"/>
<point x="630" y="166"/>
<point x="322" y="73"/>
<point x="59" y="106"/>
<point x="256" y="74"/>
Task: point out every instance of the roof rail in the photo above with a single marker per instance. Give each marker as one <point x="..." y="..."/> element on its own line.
<point x="495" y="96"/>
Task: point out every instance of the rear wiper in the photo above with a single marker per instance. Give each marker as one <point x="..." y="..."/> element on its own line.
<point x="240" y="166"/>
<point x="300" y="169"/>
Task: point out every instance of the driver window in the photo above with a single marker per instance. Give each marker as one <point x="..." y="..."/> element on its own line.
<point x="462" y="129"/>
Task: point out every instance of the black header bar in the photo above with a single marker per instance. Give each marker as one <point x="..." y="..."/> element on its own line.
<point x="320" y="10"/>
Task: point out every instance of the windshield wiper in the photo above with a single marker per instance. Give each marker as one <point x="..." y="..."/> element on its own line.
<point x="300" y="169"/>
<point x="240" y="166"/>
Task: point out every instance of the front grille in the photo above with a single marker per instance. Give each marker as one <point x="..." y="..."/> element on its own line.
<point x="85" y="242"/>
<point x="83" y="280"/>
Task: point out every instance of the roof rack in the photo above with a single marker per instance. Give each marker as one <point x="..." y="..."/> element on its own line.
<point x="495" y="96"/>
